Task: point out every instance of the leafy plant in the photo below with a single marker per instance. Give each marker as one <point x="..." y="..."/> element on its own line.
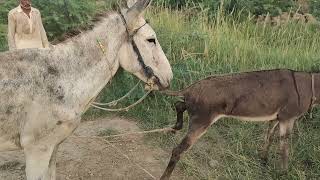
<point x="62" y="15"/>
<point x="315" y="8"/>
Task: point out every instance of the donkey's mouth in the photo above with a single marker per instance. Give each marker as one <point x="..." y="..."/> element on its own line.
<point x="154" y="84"/>
<point x="148" y="87"/>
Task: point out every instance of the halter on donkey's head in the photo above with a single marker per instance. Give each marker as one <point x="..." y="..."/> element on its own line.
<point x="146" y="69"/>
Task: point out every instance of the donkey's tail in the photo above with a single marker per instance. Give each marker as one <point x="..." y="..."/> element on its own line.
<point x="172" y="93"/>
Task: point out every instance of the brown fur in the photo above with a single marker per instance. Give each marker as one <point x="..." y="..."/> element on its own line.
<point x="279" y="96"/>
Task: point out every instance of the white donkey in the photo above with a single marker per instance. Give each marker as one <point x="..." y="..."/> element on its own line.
<point x="43" y="93"/>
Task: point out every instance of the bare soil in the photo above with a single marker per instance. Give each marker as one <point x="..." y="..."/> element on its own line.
<point x="94" y="159"/>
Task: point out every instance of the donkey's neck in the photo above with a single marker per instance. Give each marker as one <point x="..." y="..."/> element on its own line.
<point x="89" y="66"/>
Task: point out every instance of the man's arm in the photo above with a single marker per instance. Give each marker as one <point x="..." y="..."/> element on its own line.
<point x="11" y="31"/>
<point x="44" y="38"/>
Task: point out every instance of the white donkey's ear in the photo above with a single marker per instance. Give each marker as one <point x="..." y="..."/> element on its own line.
<point x="130" y="3"/>
<point x="135" y="11"/>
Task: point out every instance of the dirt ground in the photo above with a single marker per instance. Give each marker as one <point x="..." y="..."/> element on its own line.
<point x="94" y="159"/>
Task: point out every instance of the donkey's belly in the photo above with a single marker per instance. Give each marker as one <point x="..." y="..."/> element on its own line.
<point x="257" y="118"/>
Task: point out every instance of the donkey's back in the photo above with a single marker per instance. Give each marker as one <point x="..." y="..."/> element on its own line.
<point x="252" y="94"/>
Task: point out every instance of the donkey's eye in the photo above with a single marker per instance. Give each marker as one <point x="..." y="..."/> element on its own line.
<point x="152" y="40"/>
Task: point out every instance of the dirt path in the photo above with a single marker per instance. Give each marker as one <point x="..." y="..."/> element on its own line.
<point x="93" y="159"/>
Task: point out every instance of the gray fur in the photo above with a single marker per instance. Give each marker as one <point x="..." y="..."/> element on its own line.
<point x="43" y="93"/>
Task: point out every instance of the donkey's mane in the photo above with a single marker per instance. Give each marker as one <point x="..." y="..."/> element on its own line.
<point x="74" y="33"/>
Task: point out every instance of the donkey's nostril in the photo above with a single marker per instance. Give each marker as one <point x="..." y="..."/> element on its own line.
<point x="149" y="71"/>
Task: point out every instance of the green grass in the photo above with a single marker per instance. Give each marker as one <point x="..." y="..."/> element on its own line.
<point x="198" y="47"/>
<point x="3" y="37"/>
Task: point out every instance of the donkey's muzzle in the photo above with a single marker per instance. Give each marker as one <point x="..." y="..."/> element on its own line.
<point x="154" y="84"/>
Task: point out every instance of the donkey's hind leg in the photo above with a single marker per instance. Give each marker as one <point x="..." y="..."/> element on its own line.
<point x="197" y="127"/>
<point x="268" y="140"/>
<point x="286" y="127"/>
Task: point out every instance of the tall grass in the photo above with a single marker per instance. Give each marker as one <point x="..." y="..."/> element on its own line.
<point x="198" y="47"/>
<point x="3" y="37"/>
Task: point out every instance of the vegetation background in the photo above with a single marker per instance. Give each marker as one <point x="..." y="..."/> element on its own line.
<point x="202" y="38"/>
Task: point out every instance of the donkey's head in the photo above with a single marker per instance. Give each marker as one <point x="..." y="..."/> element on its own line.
<point x="142" y="54"/>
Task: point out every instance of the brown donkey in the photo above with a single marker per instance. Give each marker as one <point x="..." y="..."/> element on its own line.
<point x="280" y="96"/>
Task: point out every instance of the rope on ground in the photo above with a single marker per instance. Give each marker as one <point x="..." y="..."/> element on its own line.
<point x="123" y="109"/>
<point x="142" y="132"/>
<point x="119" y="151"/>
<point x="115" y="102"/>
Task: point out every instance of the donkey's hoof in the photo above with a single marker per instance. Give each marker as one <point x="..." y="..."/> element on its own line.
<point x="177" y="127"/>
<point x="174" y="130"/>
<point x="264" y="161"/>
<point x="263" y="158"/>
<point x="282" y="173"/>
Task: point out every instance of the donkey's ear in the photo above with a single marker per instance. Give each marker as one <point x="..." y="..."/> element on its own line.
<point x="135" y="11"/>
<point x="136" y="7"/>
<point x="130" y="3"/>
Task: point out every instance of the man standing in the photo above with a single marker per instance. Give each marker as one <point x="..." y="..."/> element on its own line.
<point x="25" y="28"/>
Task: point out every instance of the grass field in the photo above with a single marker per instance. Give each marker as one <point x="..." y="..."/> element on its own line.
<point x="198" y="47"/>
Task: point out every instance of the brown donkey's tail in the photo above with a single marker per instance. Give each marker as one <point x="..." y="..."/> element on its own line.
<point x="172" y="93"/>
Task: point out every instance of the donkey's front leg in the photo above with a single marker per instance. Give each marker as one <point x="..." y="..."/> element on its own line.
<point x="37" y="162"/>
<point x="53" y="163"/>
<point x="41" y="154"/>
